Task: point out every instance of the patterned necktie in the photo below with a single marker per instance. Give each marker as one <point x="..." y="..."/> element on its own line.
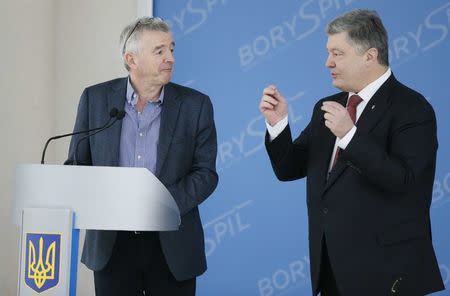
<point x="353" y="103"/>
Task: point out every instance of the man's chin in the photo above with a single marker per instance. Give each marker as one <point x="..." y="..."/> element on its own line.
<point x="167" y="79"/>
<point x="339" y="85"/>
<point x="336" y="84"/>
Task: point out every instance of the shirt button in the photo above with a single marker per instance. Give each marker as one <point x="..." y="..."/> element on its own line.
<point x="139" y="157"/>
<point x="141" y="134"/>
<point x="325" y="211"/>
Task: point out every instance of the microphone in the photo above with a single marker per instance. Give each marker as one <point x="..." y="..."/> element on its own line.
<point x="119" y="116"/>
<point x="112" y="114"/>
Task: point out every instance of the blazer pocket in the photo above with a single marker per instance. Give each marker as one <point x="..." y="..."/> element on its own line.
<point x="408" y="230"/>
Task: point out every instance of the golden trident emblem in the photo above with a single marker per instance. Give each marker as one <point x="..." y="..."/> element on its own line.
<point x="39" y="272"/>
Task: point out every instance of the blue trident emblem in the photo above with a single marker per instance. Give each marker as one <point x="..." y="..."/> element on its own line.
<point x="42" y="261"/>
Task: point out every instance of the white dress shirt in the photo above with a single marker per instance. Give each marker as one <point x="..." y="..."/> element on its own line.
<point x="366" y="94"/>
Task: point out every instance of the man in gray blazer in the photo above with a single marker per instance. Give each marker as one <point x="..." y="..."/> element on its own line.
<point x="168" y="129"/>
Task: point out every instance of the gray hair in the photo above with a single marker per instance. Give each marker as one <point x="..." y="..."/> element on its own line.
<point x="365" y="30"/>
<point x="131" y="34"/>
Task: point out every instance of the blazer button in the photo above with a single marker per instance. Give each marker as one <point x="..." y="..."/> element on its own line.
<point x="325" y="211"/>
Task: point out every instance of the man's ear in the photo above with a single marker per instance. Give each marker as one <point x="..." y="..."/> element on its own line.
<point x="372" y="55"/>
<point x="129" y="59"/>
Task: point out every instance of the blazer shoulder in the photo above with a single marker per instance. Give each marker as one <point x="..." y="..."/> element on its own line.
<point x="334" y="97"/>
<point x="187" y="92"/>
<point x="116" y="83"/>
<point x="337" y="97"/>
<point x="409" y="99"/>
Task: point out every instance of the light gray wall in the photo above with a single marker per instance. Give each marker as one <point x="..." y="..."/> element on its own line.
<point x="87" y="38"/>
<point x="49" y="51"/>
<point x="27" y="109"/>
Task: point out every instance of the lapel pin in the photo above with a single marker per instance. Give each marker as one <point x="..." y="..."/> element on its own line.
<point x="373" y="107"/>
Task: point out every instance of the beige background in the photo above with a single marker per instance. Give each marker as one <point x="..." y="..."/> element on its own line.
<point x="49" y="51"/>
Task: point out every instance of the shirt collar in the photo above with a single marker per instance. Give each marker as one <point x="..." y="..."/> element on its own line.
<point x="132" y="96"/>
<point x="367" y="93"/>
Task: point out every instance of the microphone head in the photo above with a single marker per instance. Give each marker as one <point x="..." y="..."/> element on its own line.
<point x="120" y="114"/>
<point x="113" y="112"/>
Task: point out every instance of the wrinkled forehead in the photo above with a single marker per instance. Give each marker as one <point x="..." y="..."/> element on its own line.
<point x="338" y="41"/>
<point x="152" y="39"/>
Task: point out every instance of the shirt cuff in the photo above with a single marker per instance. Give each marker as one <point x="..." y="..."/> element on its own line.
<point x="342" y="143"/>
<point x="275" y="131"/>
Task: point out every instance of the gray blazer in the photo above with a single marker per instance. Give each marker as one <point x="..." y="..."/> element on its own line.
<point x="186" y="160"/>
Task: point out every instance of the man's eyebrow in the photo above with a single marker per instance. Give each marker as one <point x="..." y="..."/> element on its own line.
<point x="334" y="49"/>
<point x="162" y="46"/>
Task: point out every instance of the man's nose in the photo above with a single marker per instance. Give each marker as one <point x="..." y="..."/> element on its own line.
<point x="170" y="58"/>
<point x="329" y="63"/>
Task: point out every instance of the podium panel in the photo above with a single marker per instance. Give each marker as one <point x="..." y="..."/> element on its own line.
<point x="46" y="254"/>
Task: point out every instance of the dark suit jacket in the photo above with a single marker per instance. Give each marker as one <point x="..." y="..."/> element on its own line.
<point x="373" y="208"/>
<point x="186" y="160"/>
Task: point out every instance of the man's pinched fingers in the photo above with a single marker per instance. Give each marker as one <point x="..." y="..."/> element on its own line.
<point x="334" y="105"/>
<point x="273" y="92"/>
<point x="270" y="90"/>
<point x="269" y="99"/>
<point x="265" y="106"/>
<point x="328" y="116"/>
<point x="328" y="124"/>
<point x="329" y="109"/>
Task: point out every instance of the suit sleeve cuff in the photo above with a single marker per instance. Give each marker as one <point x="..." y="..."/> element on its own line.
<point x="275" y="131"/>
<point x="342" y="143"/>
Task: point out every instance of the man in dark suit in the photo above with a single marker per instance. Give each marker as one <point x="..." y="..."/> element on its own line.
<point x="168" y="129"/>
<point x="369" y="156"/>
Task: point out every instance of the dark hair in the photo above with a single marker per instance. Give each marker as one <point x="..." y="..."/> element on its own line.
<point x="365" y="30"/>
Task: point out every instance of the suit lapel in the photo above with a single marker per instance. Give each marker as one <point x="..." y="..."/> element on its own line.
<point x="372" y="114"/>
<point x="337" y="170"/>
<point x="116" y="99"/>
<point x="328" y="139"/>
<point x="377" y="107"/>
<point x="169" y="116"/>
